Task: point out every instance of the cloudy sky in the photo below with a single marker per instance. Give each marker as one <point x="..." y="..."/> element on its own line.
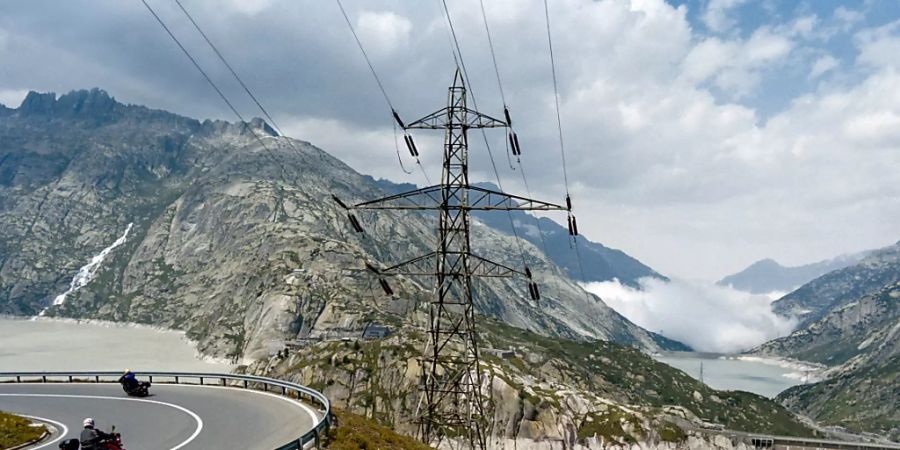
<point x="700" y="135"/>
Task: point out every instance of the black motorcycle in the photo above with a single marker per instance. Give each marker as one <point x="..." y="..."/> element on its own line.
<point x="135" y="388"/>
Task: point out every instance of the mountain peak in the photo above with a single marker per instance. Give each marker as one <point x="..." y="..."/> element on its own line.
<point x="766" y="263"/>
<point x="38" y="102"/>
<point x="94" y="103"/>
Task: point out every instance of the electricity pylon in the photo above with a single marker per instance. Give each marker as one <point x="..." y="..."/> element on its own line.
<point x="453" y="405"/>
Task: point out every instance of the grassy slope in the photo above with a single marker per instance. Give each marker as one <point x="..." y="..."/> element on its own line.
<point x="356" y="432"/>
<point x="628" y="375"/>
<point x="862" y="400"/>
<point x="15" y="430"/>
<point x="621" y="374"/>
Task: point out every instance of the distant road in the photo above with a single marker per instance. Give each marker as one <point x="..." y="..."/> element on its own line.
<point x="799" y="443"/>
<point x="174" y="417"/>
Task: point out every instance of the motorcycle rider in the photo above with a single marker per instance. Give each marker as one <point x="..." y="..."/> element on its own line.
<point x="91" y="438"/>
<point x="128" y="380"/>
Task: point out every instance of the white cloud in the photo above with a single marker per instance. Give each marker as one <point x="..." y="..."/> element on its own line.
<point x="717" y="15"/>
<point x="825" y="63"/>
<point x="707" y="317"/>
<point x="880" y="46"/>
<point x="249" y="7"/>
<point x="384" y="31"/>
<point x="847" y="17"/>
<point x="735" y="65"/>
<point x="805" y="26"/>
<point x="668" y="159"/>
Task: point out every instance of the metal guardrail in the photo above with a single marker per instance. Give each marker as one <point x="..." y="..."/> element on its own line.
<point x="284" y="388"/>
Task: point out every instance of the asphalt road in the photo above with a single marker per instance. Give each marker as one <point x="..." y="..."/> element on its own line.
<point x="173" y="417"/>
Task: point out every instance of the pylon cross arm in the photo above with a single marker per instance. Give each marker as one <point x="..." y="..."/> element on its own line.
<point x="477" y="266"/>
<point x="441" y="119"/>
<point x="479" y="199"/>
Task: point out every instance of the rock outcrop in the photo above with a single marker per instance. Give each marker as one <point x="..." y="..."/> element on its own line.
<point x="545" y="393"/>
<point x="233" y="235"/>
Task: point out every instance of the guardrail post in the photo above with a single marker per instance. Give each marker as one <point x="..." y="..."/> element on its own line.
<point x="44" y="378"/>
<point x="70" y="378"/>
<point x="201" y="381"/>
<point x="318" y="441"/>
<point x="223" y="381"/>
<point x="176" y="379"/>
<point x="245" y="384"/>
<point x="18" y="379"/>
<point x="96" y="378"/>
<point x="150" y="378"/>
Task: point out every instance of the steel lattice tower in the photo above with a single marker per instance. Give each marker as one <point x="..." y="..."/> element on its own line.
<point x="453" y="404"/>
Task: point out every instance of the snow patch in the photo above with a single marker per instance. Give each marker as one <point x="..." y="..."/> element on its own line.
<point x="87" y="272"/>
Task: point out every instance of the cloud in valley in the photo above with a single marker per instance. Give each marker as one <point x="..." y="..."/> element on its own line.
<point x="707" y="317"/>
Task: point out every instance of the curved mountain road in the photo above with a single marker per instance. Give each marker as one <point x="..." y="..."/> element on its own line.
<point x="173" y="417"/>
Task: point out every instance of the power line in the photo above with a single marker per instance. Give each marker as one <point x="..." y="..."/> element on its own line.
<point x="562" y="147"/>
<point x="205" y="75"/>
<point x="278" y="161"/>
<point x="487" y="30"/>
<point x="230" y="69"/>
<point x="461" y="64"/>
<point x="365" y="55"/>
<point x="573" y="227"/>
<point x="384" y="93"/>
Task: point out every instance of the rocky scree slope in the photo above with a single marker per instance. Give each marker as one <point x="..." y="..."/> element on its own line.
<point x="836" y="289"/>
<point x="852" y="325"/>
<point x="236" y="243"/>
<point x="554" y="393"/>
<point x="862" y="343"/>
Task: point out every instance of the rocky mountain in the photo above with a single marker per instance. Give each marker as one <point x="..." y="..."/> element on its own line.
<point x="545" y="392"/>
<point x="850" y="323"/>
<point x="839" y="288"/>
<point x="849" y="333"/>
<point x="862" y="341"/>
<point x="225" y="233"/>
<point x="768" y="275"/>
<point x="598" y="262"/>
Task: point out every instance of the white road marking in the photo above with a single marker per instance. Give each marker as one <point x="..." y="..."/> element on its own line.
<point x="101" y="397"/>
<point x="312" y="414"/>
<point x="64" y="430"/>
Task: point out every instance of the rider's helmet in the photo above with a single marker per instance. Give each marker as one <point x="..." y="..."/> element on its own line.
<point x="127" y="371"/>
<point x="88" y="422"/>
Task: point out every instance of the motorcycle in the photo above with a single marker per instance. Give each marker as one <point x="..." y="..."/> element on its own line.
<point x="113" y="442"/>
<point x="141" y="389"/>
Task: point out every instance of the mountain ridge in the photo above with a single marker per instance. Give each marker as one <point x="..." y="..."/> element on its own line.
<point x="767" y="275"/>
<point x="837" y="288"/>
<point x="232" y="241"/>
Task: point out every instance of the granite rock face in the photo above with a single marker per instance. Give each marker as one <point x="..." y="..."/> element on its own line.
<point x="850" y="323"/>
<point x="233" y="234"/>
<point x="861" y="341"/>
<point x="544" y="393"/>
<point x="835" y="289"/>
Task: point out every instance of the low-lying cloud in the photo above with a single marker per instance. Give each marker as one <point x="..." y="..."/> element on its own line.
<point x="707" y="317"/>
